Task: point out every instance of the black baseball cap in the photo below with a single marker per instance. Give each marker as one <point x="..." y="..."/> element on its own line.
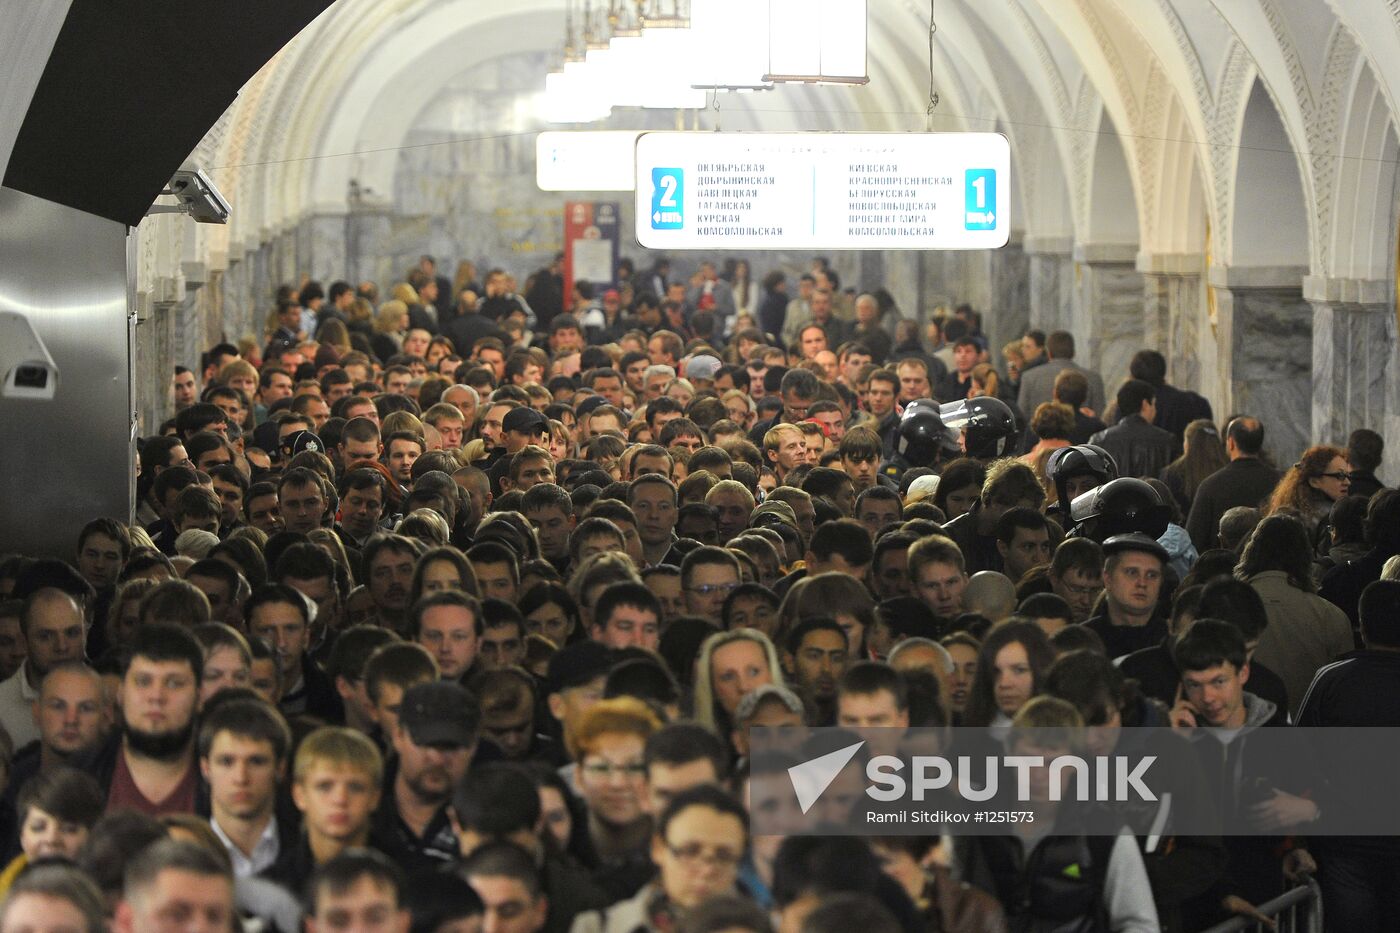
<point x="298" y="441"/>
<point x="525" y="421"/>
<point x="586" y="406"/>
<point x="577" y="664"/>
<point x="440" y="713"/>
<point x="1136" y="541"/>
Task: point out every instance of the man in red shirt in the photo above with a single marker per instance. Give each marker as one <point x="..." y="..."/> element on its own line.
<point x="149" y="765"/>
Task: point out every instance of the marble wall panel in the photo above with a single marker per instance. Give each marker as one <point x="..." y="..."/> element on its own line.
<point x="322" y="247"/>
<point x="1110" y="312"/>
<point x="1353" y="350"/>
<point x="1272" y="365"/>
<point x="1050" y="286"/>
<point x="1007" y="315"/>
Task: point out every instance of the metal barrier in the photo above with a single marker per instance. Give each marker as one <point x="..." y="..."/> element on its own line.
<point x="1297" y="910"/>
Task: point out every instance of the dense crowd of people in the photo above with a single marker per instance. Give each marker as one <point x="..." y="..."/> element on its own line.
<point x="451" y="609"/>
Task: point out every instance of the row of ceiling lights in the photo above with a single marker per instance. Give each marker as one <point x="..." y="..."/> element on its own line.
<point x="670" y="54"/>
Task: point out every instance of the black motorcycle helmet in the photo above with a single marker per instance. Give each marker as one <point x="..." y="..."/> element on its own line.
<point x="1119" y="507"/>
<point x="1083" y="460"/>
<point x="921" y="434"/>
<point x="986" y="424"/>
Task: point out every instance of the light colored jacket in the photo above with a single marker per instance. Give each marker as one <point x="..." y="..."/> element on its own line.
<point x="626" y="916"/>
<point x="1305" y="633"/>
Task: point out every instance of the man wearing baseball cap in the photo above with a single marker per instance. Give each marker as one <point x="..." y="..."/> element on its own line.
<point x="701" y="371"/>
<point x="520" y="428"/>
<point x="433" y="744"/>
<point x="1132" y="578"/>
<point x="574" y="682"/>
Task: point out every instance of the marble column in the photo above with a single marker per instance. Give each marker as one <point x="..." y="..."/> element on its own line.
<point x="368" y="229"/>
<point x="903" y="280"/>
<point x="1265" y="327"/>
<point x="1108" y="320"/>
<point x="321" y="246"/>
<point x="1173" y="310"/>
<point x="1050" y="282"/>
<point x="1007" y="315"/>
<point x="1353" y="356"/>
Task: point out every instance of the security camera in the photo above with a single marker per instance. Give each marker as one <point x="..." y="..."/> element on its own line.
<point x="29" y="371"/>
<point x="197" y="196"/>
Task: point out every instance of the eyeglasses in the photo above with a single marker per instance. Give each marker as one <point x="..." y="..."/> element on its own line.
<point x="1083" y="590"/>
<point x="692" y="854"/>
<point x="606" y="769"/>
<point x="1337" y="476"/>
<point x="710" y="589"/>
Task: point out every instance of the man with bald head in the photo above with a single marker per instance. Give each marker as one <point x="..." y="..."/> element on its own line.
<point x="990" y="594"/>
<point x="55" y="631"/>
<point x="71" y="715"/>
<point x="1244" y="481"/>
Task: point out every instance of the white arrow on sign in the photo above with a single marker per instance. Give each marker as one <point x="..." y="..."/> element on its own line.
<point x="811" y="778"/>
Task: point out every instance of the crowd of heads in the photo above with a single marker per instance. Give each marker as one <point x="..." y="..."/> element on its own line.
<point x="459" y="602"/>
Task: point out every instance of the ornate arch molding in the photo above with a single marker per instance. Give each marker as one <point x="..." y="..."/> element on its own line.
<point x="1361" y="234"/>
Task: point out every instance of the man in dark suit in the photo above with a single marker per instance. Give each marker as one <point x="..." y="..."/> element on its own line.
<point x="1176" y="408"/>
<point x="1139" y="448"/>
<point x="1244" y="481"/>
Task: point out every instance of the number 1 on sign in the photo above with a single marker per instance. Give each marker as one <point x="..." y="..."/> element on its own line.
<point x="980" y="210"/>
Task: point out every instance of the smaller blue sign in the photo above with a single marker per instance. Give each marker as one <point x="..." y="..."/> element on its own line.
<point x="981" y="206"/>
<point x="667" y="198"/>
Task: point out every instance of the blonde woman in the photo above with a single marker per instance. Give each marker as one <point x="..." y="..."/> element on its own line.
<point x="390" y="324"/>
<point x="731" y="665"/>
<point x="985" y="381"/>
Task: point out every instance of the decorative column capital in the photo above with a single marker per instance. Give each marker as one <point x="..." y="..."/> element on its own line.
<point x="1170" y="263"/>
<point x="1337" y="290"/>
<point x="1106" y="253"/>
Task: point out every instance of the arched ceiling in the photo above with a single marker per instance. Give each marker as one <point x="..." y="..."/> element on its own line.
<point x="1172" y="76"/>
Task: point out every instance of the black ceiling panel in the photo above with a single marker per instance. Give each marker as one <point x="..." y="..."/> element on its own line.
<point x="131" y="88"/>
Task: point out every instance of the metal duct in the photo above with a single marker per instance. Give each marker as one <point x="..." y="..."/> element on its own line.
<point x="66" y="459"/>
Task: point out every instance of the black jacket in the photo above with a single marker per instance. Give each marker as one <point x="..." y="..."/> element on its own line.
<point x="1342" y="585"/>
<point x="876" y="341"/>
<point x="1364" y="483"/>
<point x="1120" y="640"/>
<point x="1176" y="408"/>
<point x="1138" y="448"/>
<point x="979" y="551"/>
<point x="321" y="699"/>
<point x="423" y="319"/>
<point x="1085" y="427"/>
<point x="1158" y="679"/>
<point x="772" y="313"/>
<point x="1358" y="689"/>
<point x="465" y="330"/>
<point x="1244" y="482"/>
<point x="438" y="846"/>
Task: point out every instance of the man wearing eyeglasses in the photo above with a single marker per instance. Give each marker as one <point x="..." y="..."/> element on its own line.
<point x="708" y="576"/>
<point x="798" y="391"/>
<point x="699" y="841"/>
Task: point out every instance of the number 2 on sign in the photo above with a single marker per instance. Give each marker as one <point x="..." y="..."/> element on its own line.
<point x="668" y="194"/>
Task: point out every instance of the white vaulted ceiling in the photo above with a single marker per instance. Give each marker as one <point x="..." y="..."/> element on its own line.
<point x="1169" y="81"/>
